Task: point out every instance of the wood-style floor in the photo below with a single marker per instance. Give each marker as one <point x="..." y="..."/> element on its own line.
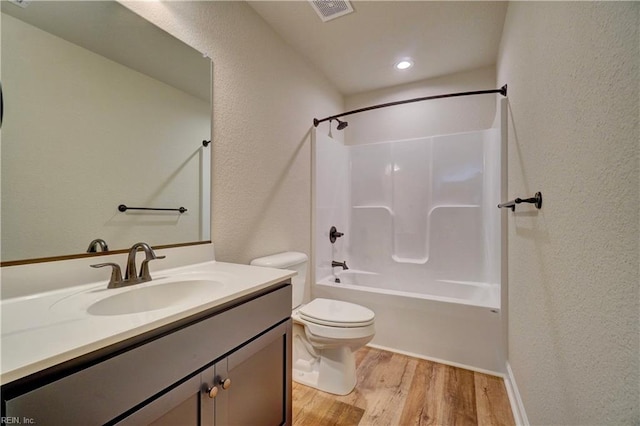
<point x="398" y="390"/>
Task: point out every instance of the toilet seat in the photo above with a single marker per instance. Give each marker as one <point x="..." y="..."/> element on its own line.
<point x="317" y="331"/>
<point x="336" y="313"/>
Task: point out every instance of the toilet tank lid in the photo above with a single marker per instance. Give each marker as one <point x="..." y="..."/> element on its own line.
<point x="281" y="260"/>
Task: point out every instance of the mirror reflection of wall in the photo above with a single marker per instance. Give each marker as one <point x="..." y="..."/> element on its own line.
<point x="83" y="133"/>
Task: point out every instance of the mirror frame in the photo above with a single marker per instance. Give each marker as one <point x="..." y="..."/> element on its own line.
<point x="97" y="254"/>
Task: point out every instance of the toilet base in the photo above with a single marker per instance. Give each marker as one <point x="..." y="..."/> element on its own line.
<point x="331" y="370"/>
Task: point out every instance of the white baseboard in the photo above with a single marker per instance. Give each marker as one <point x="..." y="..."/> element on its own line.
<point x="517" y="407"/>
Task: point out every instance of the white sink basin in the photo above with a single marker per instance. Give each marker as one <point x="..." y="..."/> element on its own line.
<point x="140" y="298"/>
<point x="144" y="299"/>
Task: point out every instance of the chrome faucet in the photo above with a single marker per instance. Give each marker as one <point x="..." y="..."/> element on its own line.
<point x="342" y="265"/>
<point x="130" y="276"/>
<point x="97" y="243"/>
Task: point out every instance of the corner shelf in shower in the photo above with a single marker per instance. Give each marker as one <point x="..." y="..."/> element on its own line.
<point x="388" y="209"/>
<point x="451" y="206"/>
<point x="415" y="261"/>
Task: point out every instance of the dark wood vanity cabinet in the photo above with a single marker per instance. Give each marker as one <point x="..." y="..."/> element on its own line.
<point x="230" y="367"/>
<point x="247" y="387"/>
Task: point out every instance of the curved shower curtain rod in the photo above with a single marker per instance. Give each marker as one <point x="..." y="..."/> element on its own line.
<point x="502" y="91"/>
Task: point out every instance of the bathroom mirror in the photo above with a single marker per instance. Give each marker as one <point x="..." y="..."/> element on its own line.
<point x="101" y="108"/>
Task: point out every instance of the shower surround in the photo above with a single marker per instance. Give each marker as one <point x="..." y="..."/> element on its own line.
<point x="421" y="239"/>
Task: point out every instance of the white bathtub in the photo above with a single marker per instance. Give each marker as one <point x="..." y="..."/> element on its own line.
<point x="463" y="292"/>
<point x="453" y="322"/>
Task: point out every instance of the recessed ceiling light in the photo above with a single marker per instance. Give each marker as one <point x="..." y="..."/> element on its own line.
<point x="404" y="64"/>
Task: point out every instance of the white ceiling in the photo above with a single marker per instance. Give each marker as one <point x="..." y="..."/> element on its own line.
<point x="357" y="51"/>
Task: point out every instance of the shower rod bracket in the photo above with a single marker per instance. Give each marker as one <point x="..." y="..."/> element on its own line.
<point x="535" y="200"/>
<point x="502" y="91"/>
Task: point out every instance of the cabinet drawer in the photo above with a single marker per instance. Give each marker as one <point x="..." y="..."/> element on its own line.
<point x="101" y="391"/>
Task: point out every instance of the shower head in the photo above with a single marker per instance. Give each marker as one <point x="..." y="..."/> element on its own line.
<point x="341" y="124"/>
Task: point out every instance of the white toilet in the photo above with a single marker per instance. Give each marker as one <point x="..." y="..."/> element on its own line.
<point x="325" y="332"/>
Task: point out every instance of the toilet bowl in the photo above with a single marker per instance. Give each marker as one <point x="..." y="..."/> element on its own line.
<point x="326" y="332"/>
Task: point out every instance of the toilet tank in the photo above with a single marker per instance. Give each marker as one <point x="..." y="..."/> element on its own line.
<point x="294" y="261"/>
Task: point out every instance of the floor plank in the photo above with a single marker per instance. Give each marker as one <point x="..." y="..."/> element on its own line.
<point x="395" y="389"/>
<point x="492" y="402"/>
<point x="423" y="404"/>
<point x="388" y="385"/>
<point x="460" y="397"/>
<point x="316" y="408"/>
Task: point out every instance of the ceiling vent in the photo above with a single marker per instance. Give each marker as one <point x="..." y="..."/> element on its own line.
<point x="331" y="9"/>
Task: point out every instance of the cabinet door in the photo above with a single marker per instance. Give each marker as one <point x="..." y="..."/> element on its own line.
<point x="187" y="404"/>
<point x="259" y="374"/>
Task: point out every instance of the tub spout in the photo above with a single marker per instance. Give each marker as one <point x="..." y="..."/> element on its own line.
<point x="342" y="265"/>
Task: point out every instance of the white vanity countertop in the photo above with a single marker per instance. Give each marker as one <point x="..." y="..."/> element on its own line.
<point x="43" y="330"/>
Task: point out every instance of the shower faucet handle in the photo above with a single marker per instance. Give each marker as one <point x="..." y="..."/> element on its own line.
<point x="334" y="234"/>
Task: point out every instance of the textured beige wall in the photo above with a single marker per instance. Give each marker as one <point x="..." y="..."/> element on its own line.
<point x="572" y="70"/>
<point x="265" y="98"/>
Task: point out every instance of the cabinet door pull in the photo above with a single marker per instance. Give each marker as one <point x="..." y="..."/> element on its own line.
<point x="212" y="391"/>
<point x="226" y="383"/>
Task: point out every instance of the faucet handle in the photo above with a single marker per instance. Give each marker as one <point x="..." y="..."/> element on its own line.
<point x="152" y="256"/>
<point x="144" y="267"/>
<point x="116" y="274"/>
<point x="334" y="234"/>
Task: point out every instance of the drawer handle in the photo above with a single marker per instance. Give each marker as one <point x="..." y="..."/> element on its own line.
<point x="226" y="383"/>
<point x="212" y="391"/>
